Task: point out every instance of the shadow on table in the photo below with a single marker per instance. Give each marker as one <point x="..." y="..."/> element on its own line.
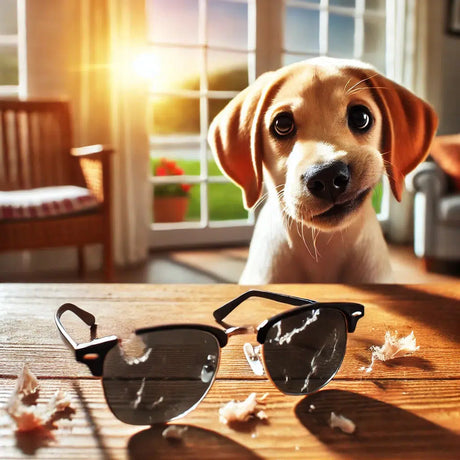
<point x="437" y="311"/>
<point x="195" y="442"/>
<point x="382" y="430"/>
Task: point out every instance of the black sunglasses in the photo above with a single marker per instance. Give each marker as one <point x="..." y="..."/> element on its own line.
<point x="175" y="365"/>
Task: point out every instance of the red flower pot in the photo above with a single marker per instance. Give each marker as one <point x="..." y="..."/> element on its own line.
<point x="170" y="208"/>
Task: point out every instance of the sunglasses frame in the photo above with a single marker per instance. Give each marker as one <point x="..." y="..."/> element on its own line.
<point x="93" y="353"/>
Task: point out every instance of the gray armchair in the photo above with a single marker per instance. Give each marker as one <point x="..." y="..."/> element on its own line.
<point x="436" y="215"/>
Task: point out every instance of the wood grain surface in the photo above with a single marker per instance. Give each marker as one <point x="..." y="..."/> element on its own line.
<point x="406" y="408"/>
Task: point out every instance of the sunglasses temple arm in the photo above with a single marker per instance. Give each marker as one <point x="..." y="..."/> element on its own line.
<point x="85" y="316"/>
<point x="222" y="312"/>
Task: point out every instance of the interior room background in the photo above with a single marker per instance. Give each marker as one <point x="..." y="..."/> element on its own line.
<point x="147" y="76"/>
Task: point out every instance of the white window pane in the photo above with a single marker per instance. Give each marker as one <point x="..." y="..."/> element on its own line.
<point x="8" y="17"/>
<point x="173" y="21"/>
<point x="227" y="71"/>
<point x="228" y="24"/>
<point x="374" y="42"/>
<point x="341" y="35"/>
<point x="8" y="65"/>
<point x="349" y="3"/>
<point x="302" y="30"/>
<point x="170" y="68"/>
<point x="374" y="5"/>
<point x="174" y="115"/>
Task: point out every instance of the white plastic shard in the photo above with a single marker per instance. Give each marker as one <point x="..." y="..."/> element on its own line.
<point x="253" y="358"/>
<point x="286" y="338"/>
<point x="29" y="417"/>
<point x="27" y="383"/>
<point x="133" y="350"/>
<point x="242" y="411"/>
<point x="174" y="432"/>
<point x="393" y="348"/>
<point x="341" y="422"/>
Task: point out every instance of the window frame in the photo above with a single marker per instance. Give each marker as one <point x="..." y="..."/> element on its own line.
<point x="266" y="51"/>
<point x="204" y="231"/>
<point x="17" y="41"/>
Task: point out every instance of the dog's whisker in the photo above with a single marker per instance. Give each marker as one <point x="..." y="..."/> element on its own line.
<point x="301" y="232"/>
<point x="345" y="89"/>
<point x="361" y="81"/>
<point x="314" y="243"/>
<point x="315" y="239"/>
<point x="365" y="87"/>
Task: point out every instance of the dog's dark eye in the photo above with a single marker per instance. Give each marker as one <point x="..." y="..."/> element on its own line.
<point x="283" y="125"/>
<point x="359" y="118"/>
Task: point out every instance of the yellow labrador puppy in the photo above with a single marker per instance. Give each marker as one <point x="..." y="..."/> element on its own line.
<point x="319" y="134"/>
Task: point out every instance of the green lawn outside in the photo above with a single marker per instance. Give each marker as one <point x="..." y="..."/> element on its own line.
<point x="225" y="200"/>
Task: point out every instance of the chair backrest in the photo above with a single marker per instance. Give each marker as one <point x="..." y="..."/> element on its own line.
<point x="35" y="142"/>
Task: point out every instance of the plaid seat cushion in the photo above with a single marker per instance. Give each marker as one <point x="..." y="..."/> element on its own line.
<point x="45" y="202"/>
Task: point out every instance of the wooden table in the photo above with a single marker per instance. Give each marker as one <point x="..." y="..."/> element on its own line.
<point x="408" y="408"/>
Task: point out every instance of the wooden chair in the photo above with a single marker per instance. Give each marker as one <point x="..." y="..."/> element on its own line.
<point x="35" y="152"/>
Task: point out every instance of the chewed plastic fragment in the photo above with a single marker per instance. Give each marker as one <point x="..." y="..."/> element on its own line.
<point x="32" y="416"/>
<point x="27" y="383"/>
<point x="341" y="422"/>
<point x="392" y="348"/>
<point x="174" y="432"/>
<point x="242" y="411"/>
<point x="253" y="358"/>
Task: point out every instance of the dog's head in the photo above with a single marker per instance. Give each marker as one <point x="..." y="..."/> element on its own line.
<point x="323" y="131"/>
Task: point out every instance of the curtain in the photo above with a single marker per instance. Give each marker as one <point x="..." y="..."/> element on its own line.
<point x="111" y="109"/>
<point x="83" y="50"/>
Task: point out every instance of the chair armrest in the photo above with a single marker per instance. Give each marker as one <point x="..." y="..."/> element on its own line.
<point x="91" y="151"/>
<point x="95" y="164"/>
<point x="428" y="178"/>
<point x="429" y="183"/>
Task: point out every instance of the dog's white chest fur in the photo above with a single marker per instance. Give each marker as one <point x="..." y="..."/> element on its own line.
<point x="284" y="251"/>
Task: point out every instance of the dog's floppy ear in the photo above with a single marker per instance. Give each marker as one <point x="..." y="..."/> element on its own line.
<point x="408" y="127"/>
<point x="236" y="139"/>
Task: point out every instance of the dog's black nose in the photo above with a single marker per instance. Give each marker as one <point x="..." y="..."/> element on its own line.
<point x="328" y="181"/>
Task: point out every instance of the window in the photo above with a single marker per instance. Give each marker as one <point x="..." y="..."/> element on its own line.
<point x="202" y="53"/>
<point x="10" y="49"/>
<point x="200" y="57"/>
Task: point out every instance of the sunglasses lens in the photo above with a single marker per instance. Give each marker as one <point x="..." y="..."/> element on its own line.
<point x="302" y="352"/>
<point x="161" y="375"/>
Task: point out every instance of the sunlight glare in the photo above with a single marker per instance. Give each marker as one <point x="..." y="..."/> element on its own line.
<point x="147" y="65"/>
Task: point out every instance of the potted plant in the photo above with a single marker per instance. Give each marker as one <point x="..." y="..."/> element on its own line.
<point x="170" y="201"/>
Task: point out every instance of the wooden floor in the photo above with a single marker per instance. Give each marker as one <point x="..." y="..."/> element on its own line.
<point x="220" y="265"/>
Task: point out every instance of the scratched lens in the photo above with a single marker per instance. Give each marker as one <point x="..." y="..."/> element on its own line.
<point x="160" y="375"/>
<point x="302" y="352"/>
